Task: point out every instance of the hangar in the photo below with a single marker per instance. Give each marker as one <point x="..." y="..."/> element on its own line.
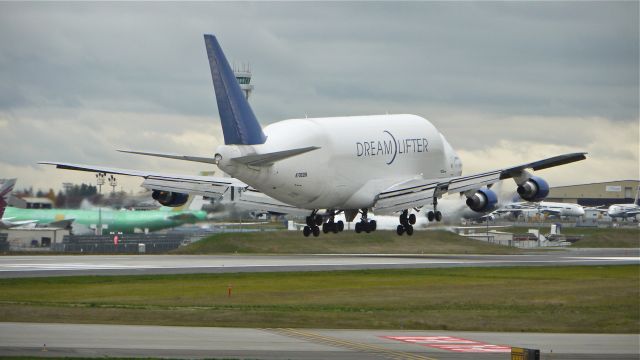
<point x="596" y="194"/>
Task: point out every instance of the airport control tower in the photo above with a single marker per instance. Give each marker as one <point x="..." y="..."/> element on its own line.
<point x="243" y="75"/>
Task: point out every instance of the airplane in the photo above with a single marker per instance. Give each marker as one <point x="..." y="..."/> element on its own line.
<point x="81" y="221"/>
<point x="386" y="163"/>
<point x="9" y="222"/>
<point x="625" y="211"/>
<point x="542" y="207"/>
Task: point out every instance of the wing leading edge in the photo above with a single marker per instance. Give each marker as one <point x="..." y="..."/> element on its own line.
<point x="188" y="184"/>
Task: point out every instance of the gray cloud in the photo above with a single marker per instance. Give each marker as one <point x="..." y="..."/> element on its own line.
<point x="80" y="79"/>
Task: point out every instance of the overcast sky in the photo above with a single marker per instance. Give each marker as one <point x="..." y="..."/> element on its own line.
<point x="505" y="82"/>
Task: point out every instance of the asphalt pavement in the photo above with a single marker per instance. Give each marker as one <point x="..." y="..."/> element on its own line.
<point x="44" y="265"/>
<point x="29" y="339"/>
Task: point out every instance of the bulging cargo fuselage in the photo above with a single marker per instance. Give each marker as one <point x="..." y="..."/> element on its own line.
<point x="358" y="157"/>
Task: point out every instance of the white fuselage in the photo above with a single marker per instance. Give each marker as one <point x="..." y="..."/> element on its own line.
<point x="564" y="209"/>
<point x="623" y="210"/>
<point x="358" y="157"/>
<point x="547" y="207"/>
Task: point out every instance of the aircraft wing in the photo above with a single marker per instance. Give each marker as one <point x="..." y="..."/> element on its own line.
<point x="256" y="200"/>
<point x="416" y="193"/>
<point x="188" y="184"/>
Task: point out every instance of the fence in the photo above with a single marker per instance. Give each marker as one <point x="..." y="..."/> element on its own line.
<point x="4" y="243"/>
<point x="125" y="244"/>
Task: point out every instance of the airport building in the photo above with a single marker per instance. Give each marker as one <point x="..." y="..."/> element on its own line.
<point x="31" y="202"/>
<point x="596" y="194"/>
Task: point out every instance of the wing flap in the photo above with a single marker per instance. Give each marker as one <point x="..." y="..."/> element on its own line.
<point x="194" y="187"/>
<point x="255" y="200"/>
<point x="413" y="193"/>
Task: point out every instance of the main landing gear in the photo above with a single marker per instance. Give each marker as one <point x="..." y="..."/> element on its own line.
<point x="435" y="214"/>
<point x="313" y="222"/>
<point x="332" y="225"/>
<point x="406" y="223"/>
<point x="365" y="224"/>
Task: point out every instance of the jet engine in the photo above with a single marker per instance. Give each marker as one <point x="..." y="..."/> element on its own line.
<point x="534" y="189"/>
<point x="168" y="198"/>
<point x="482" y="201"/>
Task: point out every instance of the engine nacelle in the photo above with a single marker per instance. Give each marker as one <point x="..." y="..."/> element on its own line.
<point x="168" y="198"/>
<point x="534" y="189"/>
<point x="482" y="201"/>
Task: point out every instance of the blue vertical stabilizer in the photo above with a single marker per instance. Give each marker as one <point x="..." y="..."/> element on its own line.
<point x="239" y="124"/>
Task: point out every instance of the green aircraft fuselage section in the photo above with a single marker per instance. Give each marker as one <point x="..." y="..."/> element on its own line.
<point x="116" y="220"/>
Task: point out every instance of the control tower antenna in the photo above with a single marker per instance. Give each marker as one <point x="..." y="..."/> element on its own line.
<point x="243" y="75"/>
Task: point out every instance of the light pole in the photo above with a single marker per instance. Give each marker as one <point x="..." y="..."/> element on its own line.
<point x="99" y="182"/>
<point x="113" y="183"/>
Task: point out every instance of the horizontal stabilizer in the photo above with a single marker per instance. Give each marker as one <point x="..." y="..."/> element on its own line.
<point x="173" y="156"/>
<point x="270" y="158"/>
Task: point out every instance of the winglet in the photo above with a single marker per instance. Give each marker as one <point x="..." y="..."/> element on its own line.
<point x="239" y="124"/>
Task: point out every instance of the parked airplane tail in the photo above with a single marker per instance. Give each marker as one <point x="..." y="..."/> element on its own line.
<point x="5" y="189"/>
<point x="239" y="124"/>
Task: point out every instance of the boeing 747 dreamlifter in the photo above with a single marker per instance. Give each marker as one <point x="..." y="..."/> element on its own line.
<point x="386" y="163"/>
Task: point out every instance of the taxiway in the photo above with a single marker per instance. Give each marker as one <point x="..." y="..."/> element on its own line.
<point x="29" y="339"/>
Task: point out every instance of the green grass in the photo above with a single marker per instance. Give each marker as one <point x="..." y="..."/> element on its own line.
<point x="598" y="237"/>
<point x="550" y="299"/>
<point x="347" y="242"/>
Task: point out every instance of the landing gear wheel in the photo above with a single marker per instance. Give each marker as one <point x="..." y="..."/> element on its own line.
<point x="412" y="219"/>
<point x="318" y="220"/>
<point x="431" y="216"/>
<point x="340" y="225"/>
<point x="358" y="228"/>
<point x="400" y="230"/>
<point x="316" y="231"/>
<point x="366" y="226"/>
<point x="306" y="231"/>
<point x="334" y="228"/>
<point x="409" y="230"/>
<point x="403" y="218"/>
<point x="438" y="216"/>
<point x="309" y="221"/>
<point x="326" y="228"/>
<point x="373" y="225"/>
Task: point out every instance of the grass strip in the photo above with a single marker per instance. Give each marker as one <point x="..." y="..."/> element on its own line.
<point x="602" y="299"/>
<point x="347" y="242"/>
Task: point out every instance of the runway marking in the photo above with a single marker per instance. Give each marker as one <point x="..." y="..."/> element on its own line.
<point x="336" y="342"/>
<point x="619" y="258"/>
<point x="451" y="343"/>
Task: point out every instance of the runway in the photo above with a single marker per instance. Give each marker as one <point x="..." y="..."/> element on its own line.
<point x="29" y="339"/>
<point x="67" y="265"/>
